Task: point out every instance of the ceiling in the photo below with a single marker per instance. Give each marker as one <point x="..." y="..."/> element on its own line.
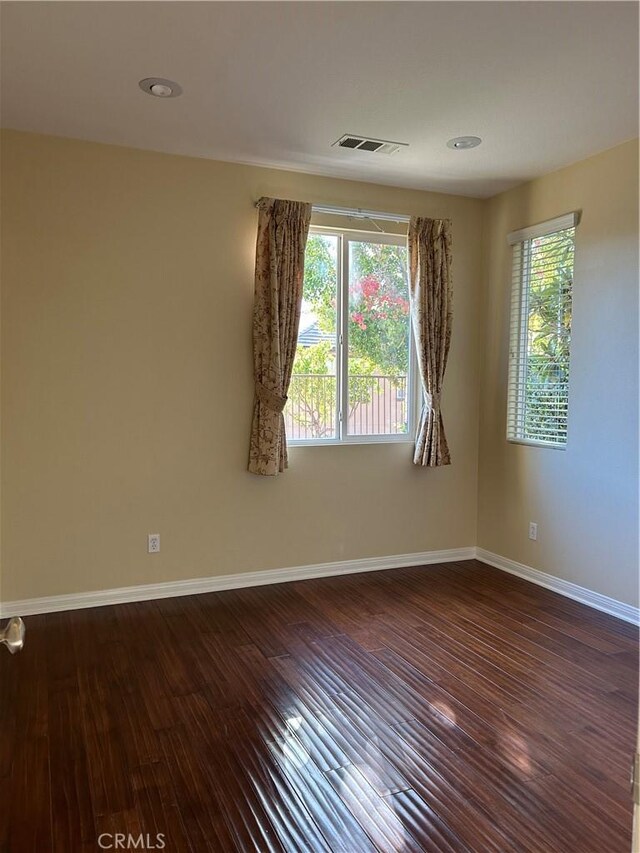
<point x="544" y="84"/>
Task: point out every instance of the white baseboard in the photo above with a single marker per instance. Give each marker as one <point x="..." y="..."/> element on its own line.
<point x="123" y="595"/>
<point x="53" y="603"/>
<point x="571" y="590"/>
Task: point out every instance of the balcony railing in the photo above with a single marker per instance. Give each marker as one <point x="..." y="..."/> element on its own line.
<point x="377" y="405"/>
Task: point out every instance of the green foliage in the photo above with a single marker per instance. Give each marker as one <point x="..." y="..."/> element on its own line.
<point x="378" y="329"/>
<point x="549" y="332"/>
<point x="378" y="324"/>
<point x="314" y="359"/>
<point x="312" y="391"/>
<point x="320" y="278"/>
<point x="361" y="368"/>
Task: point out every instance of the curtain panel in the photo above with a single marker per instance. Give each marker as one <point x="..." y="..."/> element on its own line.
<point x="431" y="294"/>
<point x="282" y="237"/>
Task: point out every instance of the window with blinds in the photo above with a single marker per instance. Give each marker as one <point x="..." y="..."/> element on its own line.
<point x="540" y="333"/>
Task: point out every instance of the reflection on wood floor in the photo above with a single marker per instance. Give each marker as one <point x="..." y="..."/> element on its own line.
<point x="445" y="708"/>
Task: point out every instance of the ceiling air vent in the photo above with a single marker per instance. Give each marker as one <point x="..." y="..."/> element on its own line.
<point x="363" y="143"/>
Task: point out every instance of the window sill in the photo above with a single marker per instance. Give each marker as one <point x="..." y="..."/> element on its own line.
<point x="530" y="442"/>
<point x="360" y="440"/>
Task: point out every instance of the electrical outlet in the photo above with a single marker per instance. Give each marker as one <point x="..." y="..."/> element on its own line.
<point x="154" y="543"/>
<point x="533" y="531"/>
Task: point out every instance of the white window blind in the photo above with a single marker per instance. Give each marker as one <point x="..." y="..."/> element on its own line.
<point x="540" y="332"/>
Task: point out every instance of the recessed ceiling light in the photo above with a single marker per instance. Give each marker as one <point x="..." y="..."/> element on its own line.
<point x="461" y="142"/>
<point x="160" y="88"/>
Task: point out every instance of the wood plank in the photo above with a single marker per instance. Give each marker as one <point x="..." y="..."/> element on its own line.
<point x="448" y="708"/>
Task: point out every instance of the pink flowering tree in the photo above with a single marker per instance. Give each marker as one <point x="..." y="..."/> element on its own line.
<point x="379" y="323"/>
<point x="378" y="301"/>
<point x="378" y="330"/>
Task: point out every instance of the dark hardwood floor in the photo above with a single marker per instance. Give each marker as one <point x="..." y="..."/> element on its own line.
<point x="446" y="708"/>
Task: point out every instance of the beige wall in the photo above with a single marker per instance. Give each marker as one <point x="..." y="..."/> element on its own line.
<point x="585" y="498"/>
<point x="127" y="287"/>
<point x="127" y="281"/>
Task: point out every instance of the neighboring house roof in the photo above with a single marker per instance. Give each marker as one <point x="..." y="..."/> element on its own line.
<point x="311" y="335"/>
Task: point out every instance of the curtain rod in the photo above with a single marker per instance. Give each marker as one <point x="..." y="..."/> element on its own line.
<point x="358" y="213"/>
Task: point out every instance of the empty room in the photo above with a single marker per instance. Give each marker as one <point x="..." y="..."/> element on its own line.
<point x="319" y="427"/>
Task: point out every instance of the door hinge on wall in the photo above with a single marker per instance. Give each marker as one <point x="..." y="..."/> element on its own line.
<point x="635" y="779"/>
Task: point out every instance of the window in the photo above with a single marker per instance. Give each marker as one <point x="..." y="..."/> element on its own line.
<point x="353" y="372"/>
<point x="538" y="393"/>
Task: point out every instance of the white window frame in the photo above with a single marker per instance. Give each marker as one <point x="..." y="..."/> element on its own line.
<point x="518" y="329"/>
<point x="345" y="236"/>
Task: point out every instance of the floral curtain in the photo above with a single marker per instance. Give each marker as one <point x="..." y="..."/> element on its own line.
<point x="282" y="236"/>
<point x="431" y="293"/>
